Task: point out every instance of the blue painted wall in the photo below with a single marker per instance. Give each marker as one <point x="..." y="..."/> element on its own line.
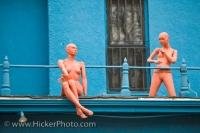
<point x="181" y="20"/>
<point x="84" y="23"/>
<point x="24" y="39"/>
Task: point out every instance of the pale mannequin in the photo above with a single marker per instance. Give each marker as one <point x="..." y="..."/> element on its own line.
<point x="74" y="80"/>
<point x="165" y="57"/>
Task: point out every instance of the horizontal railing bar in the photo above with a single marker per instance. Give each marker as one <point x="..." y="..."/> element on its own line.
<point x="34" y="66"/>
<point x="193" y="68"/>
<point x="93" y="66"/>
<point x="144" y="67"/>
<point x="101" y="66"/>
<point x="55" y="66"/>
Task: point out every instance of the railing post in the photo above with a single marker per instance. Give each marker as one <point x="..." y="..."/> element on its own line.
<point x="125" y="78"/>
<point x="185" y="90"/>
<point x="5" y="88"/>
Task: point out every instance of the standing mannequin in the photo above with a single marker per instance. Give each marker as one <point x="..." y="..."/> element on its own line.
<point x="165" y="57"/>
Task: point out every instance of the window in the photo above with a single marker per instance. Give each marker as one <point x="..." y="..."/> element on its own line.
<point x="126" y="39"/>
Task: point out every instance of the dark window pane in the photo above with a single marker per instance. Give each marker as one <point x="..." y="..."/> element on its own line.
<point x="125" y="22"/>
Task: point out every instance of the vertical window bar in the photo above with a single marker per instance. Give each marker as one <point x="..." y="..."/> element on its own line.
<point x="110" y="21"/>
<point x="120" y="54"/>
<point x="135" y="70"/>
<point x="118" y="33"/>
<point x="141" y="18"/>
<point x="124" y="24"/>
<point x="132" y="8"/>
<point x="143" y="71"/>
<point x="112" y="68"/>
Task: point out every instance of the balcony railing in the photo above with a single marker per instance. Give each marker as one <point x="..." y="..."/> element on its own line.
<point x="185" y="90"/>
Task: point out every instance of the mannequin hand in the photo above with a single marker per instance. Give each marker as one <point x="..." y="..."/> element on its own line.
<point x="162" y="51"/>
<point x="157" y="61"/>
<point x="67" y="76"/>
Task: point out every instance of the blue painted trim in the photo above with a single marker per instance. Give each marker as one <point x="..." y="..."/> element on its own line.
<point x="102" y="66"/>
<point x="125" y="74"/>
<point x="5" y="88"/>
<point x="101" y="104"/>
<point x="107" y="42"/>
<point x="185" y="90"/>
<point x="125" y="67"/>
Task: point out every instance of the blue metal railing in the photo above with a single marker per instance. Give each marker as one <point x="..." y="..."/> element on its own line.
<point x="185" y="90"/>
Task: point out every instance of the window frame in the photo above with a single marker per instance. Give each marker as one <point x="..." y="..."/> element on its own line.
<point x="145" y="30"/>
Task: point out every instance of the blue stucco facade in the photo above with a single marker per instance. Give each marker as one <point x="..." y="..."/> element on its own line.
<point x="84" y="24"/>
<point x="36" y="32"/>
<point x="24" y="39"/>
<point x="179" y="18"/>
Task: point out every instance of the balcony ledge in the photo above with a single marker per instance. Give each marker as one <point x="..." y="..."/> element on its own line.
<point x="100" y="104"/>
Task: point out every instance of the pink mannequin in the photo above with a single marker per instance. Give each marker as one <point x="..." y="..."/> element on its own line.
<point x="72" y="72"/>
<point x="165" y="57"/>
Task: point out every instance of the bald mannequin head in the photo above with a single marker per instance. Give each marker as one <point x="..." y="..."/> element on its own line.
<point x="70" y="45"/>
<point x="164" y="34"/>
<point x="164" y="38"/>
<point x="71" y="49"/>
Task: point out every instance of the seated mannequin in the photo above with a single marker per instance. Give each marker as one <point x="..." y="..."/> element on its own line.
<point x="165" y="56"/>
<point x="72" y="73"/>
